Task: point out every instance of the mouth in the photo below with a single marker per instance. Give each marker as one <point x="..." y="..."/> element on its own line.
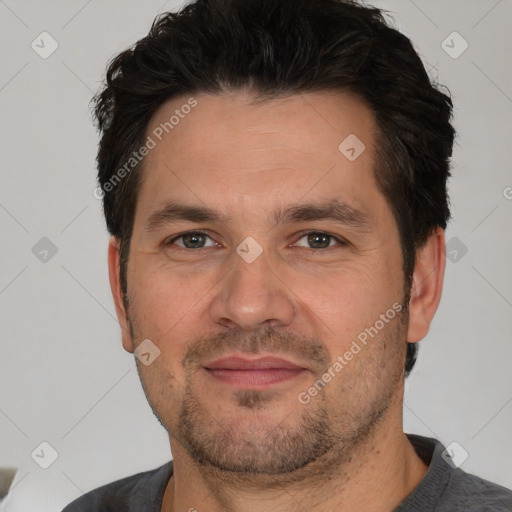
<point x="257" y="373"/>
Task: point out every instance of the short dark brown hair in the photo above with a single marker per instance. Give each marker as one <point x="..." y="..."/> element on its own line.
<point x="278" y="48"/>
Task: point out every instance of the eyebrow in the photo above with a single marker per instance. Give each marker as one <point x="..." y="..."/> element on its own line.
<point x="336" y="210"/>
<point x="177" y="211"/>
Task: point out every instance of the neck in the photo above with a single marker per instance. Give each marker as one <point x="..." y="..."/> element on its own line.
<point x="376" y="477"/>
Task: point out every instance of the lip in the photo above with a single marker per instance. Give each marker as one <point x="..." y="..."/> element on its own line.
<point x="253" y="373"/>
<point x="242" y="363"/>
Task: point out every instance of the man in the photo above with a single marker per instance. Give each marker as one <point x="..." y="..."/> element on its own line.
<point x="274" y="180"/>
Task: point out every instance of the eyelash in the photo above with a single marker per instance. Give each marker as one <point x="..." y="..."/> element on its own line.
<point x="341" y="241"/>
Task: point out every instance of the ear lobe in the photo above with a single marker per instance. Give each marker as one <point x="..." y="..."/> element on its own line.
<point x="427" y="285"/>
<point x="114" y="268"/>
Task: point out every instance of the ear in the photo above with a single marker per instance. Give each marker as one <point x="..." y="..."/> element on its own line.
<point x="114" y="267"/>
<point x="427" y="285"/>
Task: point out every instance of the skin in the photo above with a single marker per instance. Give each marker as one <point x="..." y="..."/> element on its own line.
<point x="264" y="450"/>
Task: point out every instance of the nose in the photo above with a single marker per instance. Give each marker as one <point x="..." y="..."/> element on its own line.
<point x="253" y="296"/>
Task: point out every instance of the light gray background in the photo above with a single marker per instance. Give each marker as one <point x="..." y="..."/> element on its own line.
<point x="64" y="377"/>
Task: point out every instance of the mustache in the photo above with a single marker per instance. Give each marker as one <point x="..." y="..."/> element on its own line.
<point x="307" y="350"/>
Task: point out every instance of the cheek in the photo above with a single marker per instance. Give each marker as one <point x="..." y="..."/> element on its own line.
<point x="349" y="301"/>
<point x="163" y="295"/>
<point x="165" y="309"/>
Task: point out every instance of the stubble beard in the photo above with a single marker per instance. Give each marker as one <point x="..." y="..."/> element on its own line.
<point x="323" y="435"/>
<point x="326" y="434"/>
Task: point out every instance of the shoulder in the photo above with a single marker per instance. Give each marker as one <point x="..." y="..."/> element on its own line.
<point x="446" y="487"/>
<point x="143" y="491"/>
<point x="476" y="493"/>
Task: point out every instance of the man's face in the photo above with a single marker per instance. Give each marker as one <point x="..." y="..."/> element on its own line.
<point x="279" y="289"/>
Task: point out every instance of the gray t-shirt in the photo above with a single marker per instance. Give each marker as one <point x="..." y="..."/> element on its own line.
<point x="443" y="489"/>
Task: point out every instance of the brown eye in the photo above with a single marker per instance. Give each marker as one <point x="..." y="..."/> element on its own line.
<point x="319" y="240"/>
<point x="191" y="240"/>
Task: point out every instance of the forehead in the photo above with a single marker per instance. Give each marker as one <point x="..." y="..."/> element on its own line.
<point x="231" y="149"/>
<point x="220" y="124"/>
